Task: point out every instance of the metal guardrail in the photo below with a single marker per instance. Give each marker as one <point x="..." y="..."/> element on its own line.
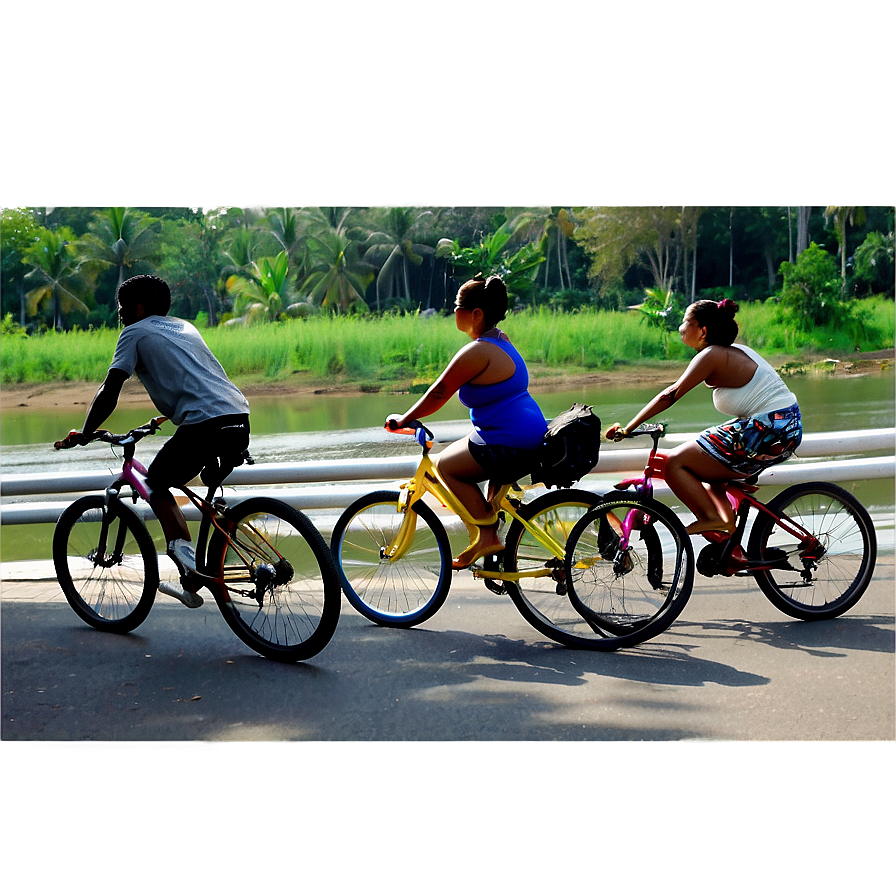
<point x="327" y="494"/>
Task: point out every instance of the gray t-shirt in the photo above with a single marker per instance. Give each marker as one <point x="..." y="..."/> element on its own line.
<point x="183" y="378"/>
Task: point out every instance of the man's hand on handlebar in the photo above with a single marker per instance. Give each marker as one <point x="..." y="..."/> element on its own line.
<point x="76" y="438"/>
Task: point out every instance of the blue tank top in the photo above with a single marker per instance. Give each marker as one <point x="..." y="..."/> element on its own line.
<point x="505" y="413"/>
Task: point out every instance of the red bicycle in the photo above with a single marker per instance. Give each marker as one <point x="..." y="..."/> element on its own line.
<point x="811" y="549"/>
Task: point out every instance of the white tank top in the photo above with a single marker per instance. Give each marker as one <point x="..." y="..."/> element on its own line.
<point x="765" y="392"/>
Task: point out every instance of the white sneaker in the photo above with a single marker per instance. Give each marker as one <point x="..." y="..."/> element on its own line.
<point x="182" y="553"/>
<point x="187" y="598"/>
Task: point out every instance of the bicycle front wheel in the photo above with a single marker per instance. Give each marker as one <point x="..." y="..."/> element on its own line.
<point x="280" y="593"/>
<point x="400" y="591"/>
<point x="628" y="589"/>
<point x="824" y="576"/>
<point x="105" y="563"/>
<point x="536" y="553"/>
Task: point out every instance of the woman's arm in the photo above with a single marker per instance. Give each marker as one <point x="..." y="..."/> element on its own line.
<point x="466" y="365"/>
<point x="698" y="371"/>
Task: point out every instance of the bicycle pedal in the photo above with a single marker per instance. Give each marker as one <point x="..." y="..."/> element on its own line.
<point x="496" y="586"/>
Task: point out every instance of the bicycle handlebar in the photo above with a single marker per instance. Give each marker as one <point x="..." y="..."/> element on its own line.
<point x="75" y="438"/>
<point x="655" y="430"/>
<point x="414" y="428"/>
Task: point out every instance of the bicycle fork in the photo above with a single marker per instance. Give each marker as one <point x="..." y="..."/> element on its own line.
<point x="100" y="556"/>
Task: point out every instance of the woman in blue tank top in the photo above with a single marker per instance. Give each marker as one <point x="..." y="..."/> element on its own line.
<point x="491" y="379"/>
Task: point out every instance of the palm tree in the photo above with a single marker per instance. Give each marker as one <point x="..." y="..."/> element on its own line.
<point x="853" y="214"/>
<point x="121" y="237"/>
<point x="269" y="292"/>
<point x="64" y="278"/>
<point x="558" y="228"/>
<point x="393" y="249"/>
<point x="241" y="247"/>
<point x="492" y="256"/>
<point x="338" y="278"/>
<point x="18" y="232"/>
<point x="288" y="227"/>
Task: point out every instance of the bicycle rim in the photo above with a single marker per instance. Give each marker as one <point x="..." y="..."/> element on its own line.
<point x="106" y="564"/>
<point x="400" y="591"/>
<point x="541" y="597"/>
<point x="813" y="583"/>
<point x="281" y="591"/>
<point x="629" y="591"/>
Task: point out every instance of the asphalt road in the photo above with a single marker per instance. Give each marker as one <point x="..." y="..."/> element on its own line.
<point x="740" y="752"/>
<point x="731" y="668"/>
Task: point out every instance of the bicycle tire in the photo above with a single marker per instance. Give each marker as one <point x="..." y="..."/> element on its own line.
<point x="113" y="592"/>
<point x="398" y="593"/>
<point x="826" y="587"/>
<point x="280" y="593"/>
<point x="629" y="596"/>
<point x="542" y="600"/>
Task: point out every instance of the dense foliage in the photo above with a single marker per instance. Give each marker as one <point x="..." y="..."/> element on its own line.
<point x="237" y="266"/>
<point x="408" y="350"/>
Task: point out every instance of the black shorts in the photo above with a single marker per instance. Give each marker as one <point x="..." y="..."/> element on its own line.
<point x="502" y="463"/>
<point x="194" y="446"/>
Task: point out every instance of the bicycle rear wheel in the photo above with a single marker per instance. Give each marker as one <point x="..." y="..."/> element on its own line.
<point x="280" y="593"/>
<point x="825" y="577"/>
<point x="540" y="594"/>
<point x="628" y="592"/>
<point x="398" y="592"/>
<point x="105" y="563"/>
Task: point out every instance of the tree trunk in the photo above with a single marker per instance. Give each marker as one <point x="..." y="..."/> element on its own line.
<point x="802" y="228"/>
<point x="210" y="301"/>
<point x="731" y="247"/>
<point x="789" y="235"/>
<point x="770" y="267"/>
<point x="843" y="251"/>
<point x="694" y="275"/>
<point x="566" y="263"/>
<point x="22" y="302"/>
<point x="559" y="259"/>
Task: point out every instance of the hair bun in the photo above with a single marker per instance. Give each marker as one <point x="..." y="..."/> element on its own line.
<point x="729" y="307"/>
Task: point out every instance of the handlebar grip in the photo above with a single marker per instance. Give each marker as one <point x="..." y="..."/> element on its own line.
<point x="410" y="429"/>
<point x="67" y="442"/>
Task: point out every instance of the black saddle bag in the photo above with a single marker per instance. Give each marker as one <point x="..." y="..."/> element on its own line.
<point x="571" y="447"/>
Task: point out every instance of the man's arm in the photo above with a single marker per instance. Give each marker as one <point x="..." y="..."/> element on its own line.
<point x="105" y="400"/>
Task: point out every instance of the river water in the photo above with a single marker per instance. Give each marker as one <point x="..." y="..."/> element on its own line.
<point x="334" y="426"/>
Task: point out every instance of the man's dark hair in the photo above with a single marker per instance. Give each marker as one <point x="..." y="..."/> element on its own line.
<point x="152" y="292"/>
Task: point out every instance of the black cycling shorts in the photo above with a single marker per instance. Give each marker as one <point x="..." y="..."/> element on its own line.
<point x="194" y="446"/>
<point x="502" y="463"/>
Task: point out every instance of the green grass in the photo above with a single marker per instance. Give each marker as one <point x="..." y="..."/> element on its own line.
<point x="413" y="349"/>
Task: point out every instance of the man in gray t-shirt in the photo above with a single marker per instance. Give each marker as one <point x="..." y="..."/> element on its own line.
<point x="188" y="385"/>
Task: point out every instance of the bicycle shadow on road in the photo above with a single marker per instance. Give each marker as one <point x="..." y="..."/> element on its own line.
<point x="827" y="637"/>
<point x="502" y="658"/>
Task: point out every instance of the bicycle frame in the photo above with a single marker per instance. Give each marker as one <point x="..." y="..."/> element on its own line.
<point x="211" y="510"/>
<point x="427" y="480"/>
<point x="740" y="495"/>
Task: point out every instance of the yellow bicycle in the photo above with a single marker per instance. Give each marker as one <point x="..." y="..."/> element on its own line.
<point x="394" y="559"/>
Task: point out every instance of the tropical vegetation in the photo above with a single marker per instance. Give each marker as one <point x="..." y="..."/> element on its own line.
<point x="290" y="270"/>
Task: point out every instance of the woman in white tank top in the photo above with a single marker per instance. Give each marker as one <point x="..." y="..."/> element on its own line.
<point x="766" y="428"/>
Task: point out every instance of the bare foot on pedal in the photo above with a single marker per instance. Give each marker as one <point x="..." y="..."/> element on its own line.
<point x="474" y="552"/>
